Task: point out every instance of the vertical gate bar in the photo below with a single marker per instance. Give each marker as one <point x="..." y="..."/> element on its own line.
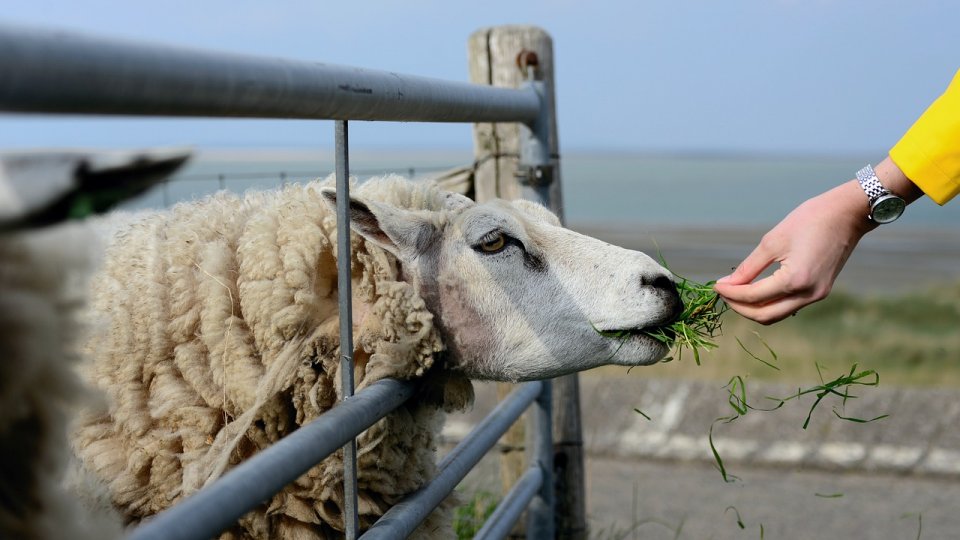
<point x="540" y="518"/>
<point x="350" y="517"/>
<point x="536" y="163"/>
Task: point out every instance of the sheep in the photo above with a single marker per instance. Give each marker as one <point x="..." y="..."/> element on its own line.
<point x="42" y="275"/>
<point x="218" y="335"/>
<point x="44" y="265"/>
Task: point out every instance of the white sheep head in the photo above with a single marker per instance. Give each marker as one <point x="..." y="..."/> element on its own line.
<point x="517" y="296"/>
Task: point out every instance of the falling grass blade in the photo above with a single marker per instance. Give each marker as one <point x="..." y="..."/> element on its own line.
<point x="737" y="512"/>
<point x="737" y="397"/>
<point x="728" y="478"/>
<point x="839" y="387"/>
<point x="643" y="414"/>
<point x="755" y="357"/>
<point x="812" y="408"/>
<point x="770" y="350"/>
<point x="860" y="420"/>
<point x="829" y="495"/>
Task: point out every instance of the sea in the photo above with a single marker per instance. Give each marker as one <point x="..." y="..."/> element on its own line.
<point x="599" y="188"/>
<point x="701" y="213"/>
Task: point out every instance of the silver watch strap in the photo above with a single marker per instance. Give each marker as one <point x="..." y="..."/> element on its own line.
<point x="870" y="183"/>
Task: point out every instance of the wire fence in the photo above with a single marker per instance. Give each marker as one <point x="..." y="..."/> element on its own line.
<point x="229" y="179"/>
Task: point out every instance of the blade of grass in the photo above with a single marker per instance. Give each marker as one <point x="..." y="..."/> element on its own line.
<point x="860" y="420"/>
<point x="737" y="399"/>
<point x="728" y="478"/>
<point x="754" y="356"/>
<point x="737" y="512"/>
<point x="697" y="327"/>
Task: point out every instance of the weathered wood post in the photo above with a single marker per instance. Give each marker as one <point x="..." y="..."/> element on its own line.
<point x="505" y="56"/>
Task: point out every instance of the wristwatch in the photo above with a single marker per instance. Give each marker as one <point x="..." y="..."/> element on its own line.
<point x="885" y="206"/>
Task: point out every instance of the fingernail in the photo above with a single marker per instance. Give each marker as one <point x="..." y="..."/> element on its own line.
<point x="724" y="279"/>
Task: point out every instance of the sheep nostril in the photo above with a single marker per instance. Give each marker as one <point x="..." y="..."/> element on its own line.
<point x="668" y="291"/>
<point x="665" y="284"/>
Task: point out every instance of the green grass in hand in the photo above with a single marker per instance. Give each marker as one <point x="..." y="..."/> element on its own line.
<point x="695" y="329"/>
<point x="698" y="325"/>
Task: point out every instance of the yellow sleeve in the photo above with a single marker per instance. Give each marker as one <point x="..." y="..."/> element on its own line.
<point x="929" y="152"/>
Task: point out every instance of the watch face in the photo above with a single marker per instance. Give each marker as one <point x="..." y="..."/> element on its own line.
<point x="887" y="209"/>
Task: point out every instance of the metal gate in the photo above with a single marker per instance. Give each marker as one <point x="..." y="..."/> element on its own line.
<point x="54" y="72"/>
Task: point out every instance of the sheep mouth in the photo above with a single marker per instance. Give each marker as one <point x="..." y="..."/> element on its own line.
<point x="663" y="333"/>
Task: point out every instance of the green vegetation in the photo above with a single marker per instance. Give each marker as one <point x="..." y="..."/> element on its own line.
<point x="698" y="325"/>
<point x="838" y="388"/>
<point x="468" y="519"/>
<point x="698" y="328"/>
<point x="911" y="339"/>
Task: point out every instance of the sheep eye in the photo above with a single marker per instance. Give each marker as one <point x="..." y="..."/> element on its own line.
<point x="493" y="242"/>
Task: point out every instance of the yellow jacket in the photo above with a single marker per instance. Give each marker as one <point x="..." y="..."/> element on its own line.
<point x="929" y="152"/>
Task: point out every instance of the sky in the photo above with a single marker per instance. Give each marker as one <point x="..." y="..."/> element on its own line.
<point x="833" y="77"/>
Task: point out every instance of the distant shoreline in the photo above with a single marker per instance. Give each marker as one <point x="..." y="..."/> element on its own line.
<point x="259" y="153"/>
<point x="705" y="214"/>
<point x="887" y="261"/>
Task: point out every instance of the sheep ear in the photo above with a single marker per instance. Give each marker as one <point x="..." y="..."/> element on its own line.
<point x="401" y="232"/>
<point x="456" y="201"/>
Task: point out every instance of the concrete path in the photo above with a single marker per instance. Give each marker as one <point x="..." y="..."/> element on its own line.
<point x="674" y="500"/>
<point x="921" y="436"/>
<point x="886" y="479"/>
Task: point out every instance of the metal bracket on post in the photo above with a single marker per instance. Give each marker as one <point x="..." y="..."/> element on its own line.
<point x="535" y="170"/>
<point x="535" y="175"/>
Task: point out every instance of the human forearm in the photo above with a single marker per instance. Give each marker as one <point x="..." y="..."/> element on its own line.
<point x="896" y="181"/>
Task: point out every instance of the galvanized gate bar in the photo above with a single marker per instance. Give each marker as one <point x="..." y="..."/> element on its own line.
<point x="48" y="71"/>
<point x="401" y="520"/>
<point x="61" y="72"/>
<point x="217" y="507"/>
<point x="345" y="299"/>
<point x="501" y="521"/>
<point x="540" y="522"/>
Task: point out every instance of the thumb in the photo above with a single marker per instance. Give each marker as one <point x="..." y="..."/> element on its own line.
<point x="749" y="269"/>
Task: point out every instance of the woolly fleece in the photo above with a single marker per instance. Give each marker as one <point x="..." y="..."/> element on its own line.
<point x="42" y="287"/>
<point x="217" y="334"/>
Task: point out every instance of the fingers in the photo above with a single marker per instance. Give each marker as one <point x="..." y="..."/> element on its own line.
<point x="762" y="292"/>
<point x="773" y="312"/>
<point x="751" y="267"/>
<point x="771" y="299"/>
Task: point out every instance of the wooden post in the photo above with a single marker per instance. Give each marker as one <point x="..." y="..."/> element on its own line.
<point x="493" y="54"/>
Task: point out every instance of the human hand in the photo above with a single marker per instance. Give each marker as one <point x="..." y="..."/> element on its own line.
<point x="811" y="246"/>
